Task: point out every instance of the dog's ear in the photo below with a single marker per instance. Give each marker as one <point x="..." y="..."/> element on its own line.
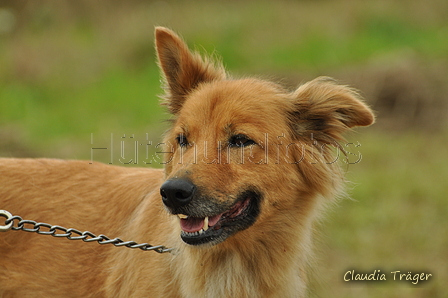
<point x="183" y="70"/>
<point x="326" y="109"/>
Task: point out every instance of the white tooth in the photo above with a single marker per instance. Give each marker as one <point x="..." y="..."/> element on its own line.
<point x="182" y="216"/>
<point x="205" y="227"/>
<point x="201" y="231"/>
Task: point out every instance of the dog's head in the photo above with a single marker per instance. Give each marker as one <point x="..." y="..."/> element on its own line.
<point x="245" y="151"/>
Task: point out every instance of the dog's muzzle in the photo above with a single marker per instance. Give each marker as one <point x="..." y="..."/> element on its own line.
<point x="205" y="220"/>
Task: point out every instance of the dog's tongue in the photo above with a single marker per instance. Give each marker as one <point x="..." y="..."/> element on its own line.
<point x="192" y="224"/>
<point x="195" y="224"/>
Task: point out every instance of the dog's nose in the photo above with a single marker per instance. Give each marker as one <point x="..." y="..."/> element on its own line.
<point x="177" y="192"/>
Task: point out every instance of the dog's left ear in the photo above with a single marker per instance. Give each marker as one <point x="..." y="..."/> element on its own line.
<point x="183" y="70"/>
<point x="326" y="109"/>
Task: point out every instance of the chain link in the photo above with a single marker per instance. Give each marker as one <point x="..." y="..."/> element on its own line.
<point x="71" y="234"/>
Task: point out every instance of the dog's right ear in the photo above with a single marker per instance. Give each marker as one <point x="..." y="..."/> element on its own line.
<point x="183" y="70"/>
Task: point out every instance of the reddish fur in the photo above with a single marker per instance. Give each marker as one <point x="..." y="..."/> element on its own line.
<point x="269" y="259"/>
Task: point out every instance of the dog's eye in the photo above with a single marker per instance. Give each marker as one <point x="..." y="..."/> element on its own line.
<point x="182" y="140"/>
<point x="240" y="140"/>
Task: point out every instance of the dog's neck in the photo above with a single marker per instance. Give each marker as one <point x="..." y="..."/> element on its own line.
<point x="230" y="270"/>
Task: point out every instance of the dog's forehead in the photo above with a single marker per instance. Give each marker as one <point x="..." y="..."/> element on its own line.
<point x="232" y="103"/>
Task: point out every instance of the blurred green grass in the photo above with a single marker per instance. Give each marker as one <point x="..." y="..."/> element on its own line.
<point x="395" y="219"/>
<point x="69" y="70"/>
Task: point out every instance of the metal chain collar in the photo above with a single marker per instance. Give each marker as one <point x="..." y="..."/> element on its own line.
<point x="71" y="234"/>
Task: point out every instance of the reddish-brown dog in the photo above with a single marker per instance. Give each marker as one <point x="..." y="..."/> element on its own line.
<point x="251" y="168"/>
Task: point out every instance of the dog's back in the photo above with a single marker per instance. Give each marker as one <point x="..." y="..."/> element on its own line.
<point x="72" y="194"/>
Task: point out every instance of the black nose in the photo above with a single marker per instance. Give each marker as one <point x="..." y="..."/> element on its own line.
<point x="177" y="192"/>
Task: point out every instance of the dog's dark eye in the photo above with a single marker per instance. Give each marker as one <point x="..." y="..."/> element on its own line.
<point x="182" y="140"/>
<point x="240" y="140"/>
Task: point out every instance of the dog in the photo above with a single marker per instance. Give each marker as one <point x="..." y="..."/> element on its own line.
<point x="249" y="168"/>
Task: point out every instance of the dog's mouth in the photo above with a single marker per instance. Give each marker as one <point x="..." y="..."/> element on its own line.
<point x="216" y="228"/>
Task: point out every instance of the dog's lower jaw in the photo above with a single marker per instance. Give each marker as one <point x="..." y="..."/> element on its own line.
<point x="241" y="216"/>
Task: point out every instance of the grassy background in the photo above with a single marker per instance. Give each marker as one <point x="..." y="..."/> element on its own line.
<point x="72" y="70"/>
